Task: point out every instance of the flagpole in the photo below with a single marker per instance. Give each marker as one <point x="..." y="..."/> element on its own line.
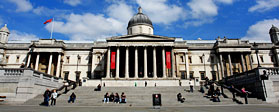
<point x="52" y="28"/>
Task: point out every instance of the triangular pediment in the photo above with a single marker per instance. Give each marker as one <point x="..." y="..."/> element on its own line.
<point x="141" y="37"/>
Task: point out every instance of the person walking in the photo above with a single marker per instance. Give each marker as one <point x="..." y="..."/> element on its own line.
<point x="145" y="83"/>
<point x="53" y="97"/>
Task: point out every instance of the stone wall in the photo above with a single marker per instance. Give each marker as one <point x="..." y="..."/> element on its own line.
<point x="20" y="85"/>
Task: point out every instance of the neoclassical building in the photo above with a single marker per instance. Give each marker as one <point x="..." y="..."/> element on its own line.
<point x="140" y="55"/>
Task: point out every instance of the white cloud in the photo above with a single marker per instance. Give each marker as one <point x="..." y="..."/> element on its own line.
<point x="161" y="12"/>
<point x="225" y="1"/>
<point x="120" y="11"/>
<point x="260" y="30"/>
<point x="22" y="5"/>
<point x="203" y="8"/>
<point x="264" y="5"/>
<point x="72" y="2"/>
<point x="22" y="36"/>
<point x="88" y="27"/>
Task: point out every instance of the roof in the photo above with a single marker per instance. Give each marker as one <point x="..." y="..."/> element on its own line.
<point x="140" y="19"/>
<point x="5" y="29"/>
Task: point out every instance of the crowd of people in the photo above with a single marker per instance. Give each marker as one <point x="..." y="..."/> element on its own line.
<point x="115" y="98"/>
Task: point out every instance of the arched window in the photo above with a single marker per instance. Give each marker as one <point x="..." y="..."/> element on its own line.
<point x="140" y="29"/>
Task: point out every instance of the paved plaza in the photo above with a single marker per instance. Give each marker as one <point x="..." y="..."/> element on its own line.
<point x="197" y="108"/>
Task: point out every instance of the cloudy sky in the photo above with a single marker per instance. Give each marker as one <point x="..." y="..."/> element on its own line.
<point x="96" y="19"/>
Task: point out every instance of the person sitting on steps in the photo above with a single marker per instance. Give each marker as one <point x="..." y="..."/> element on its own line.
<point x="98" y="88"/>
<point x="116" y="98"/>
<point x="215" y="97"/>
<point x="111" y="97"/>
<point x="106" y="98"/>
<point x="180" y="98"/>
<point x="72" y="98"/>
<point x="123" y="98"/>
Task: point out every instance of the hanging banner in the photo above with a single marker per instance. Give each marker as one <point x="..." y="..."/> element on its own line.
<point x="112" y="64"/>
<point x="168" y="60"/>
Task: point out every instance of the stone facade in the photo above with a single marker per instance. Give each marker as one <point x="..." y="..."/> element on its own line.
<point x="140" y="55"/>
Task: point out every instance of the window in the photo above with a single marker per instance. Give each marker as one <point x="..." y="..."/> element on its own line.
<point x="7" y="59"/>
<point x="183" y="75"/>
<point x="68" y="59"/>
<point x="17" y="59"/>
<point x="212" y="59"/>
<point x="66" y="75"/>
<point x="182" y="58"/>
<point x="262" y="59"/>
<point x="201" y="59"/>
<point x="191" y="75"/>
<point x="190" y="59"/>
<point x="98" y="59"/>
<point x="252" y="59"/>
<point x="202" y="74"/>
<point x="140" y="29"/>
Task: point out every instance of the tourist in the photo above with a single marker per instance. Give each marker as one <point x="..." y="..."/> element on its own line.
<point x="180" y="98"/>
<point x="22" y="65"/>
<point x="244" y="92"/>
<point x="217" y="91"/>
<point x="111" y="97"/>
<point x="155" y="84"/>
<point x="46" y="97"/>
<point x="232" y="89"/>
<point x="145" y="83"/>
<point x="116" y="98"/>
<point x="98" y="88"/>
<point x="135" y="84"/>
<point x="123" y="98"/>
<point x="106" y="98"/>
<point x="211" y="89"/>
<point x="72" y="98"/>
<point x="191" y="86"/>
<point x="201" y="89"/>
<point x="206" y="82"/>
<point x="215" y="97"/>
<point x="180" y="83"/>
<point x="53" y="97"/>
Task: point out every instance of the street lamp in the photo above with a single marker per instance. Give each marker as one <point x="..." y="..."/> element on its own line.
<point x="204" y="65"/>
<point x="26" y="59"/>
<point x="257" y="51"/>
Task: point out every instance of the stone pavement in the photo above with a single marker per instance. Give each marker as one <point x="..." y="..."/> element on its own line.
<point x="192" y="108"/>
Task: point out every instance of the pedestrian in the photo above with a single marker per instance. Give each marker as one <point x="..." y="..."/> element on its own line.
<point x="135" y="84"/>
<point x="145" y="83"/>
<point x="106" y="98"/>
<point x="191" y="86"/>
<point x="46" y="97"/>
<point x="53" y="97"/>
<point x="72" y="98"/>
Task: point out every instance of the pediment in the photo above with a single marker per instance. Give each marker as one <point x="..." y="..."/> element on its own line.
<point x="141" y="38"/>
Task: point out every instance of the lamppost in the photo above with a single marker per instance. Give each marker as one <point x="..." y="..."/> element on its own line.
<point x="204" y="65"/>
<point x="257" y="51"/>
<point x="30" y="53"/>
<point x="78" y="72"/>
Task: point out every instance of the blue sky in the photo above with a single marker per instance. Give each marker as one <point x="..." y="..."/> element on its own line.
<point x="96" y="19"/>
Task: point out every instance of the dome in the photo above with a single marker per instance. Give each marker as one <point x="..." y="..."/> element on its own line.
<point x="140" y="19"/>
<point x="5" y="29"/>
<point x="273" y="29"/>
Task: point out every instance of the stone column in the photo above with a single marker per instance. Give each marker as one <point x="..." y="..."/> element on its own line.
<point x="108" y="63"/>
<point x="250" y="60"/>
<point x="28" y="61"/>
<point x="154" y="63"/>
<point x="164" y="63"/>
<point x="127" y="63"/>
<point x="221" y="64"/>
<point x="242" y="63"/>
<point x="145" y="62"/>
<point x="49" y="64"/>
<point x="172" y="64"/>
<point x="37" y="62"/>
<point x="177" y="64"/>
<point x="117" y="63"/>
<point x="58" y="65"/>
<point x="187" y="65"/>
<point x="230" y="64"/>
<point x="136" y="62"/>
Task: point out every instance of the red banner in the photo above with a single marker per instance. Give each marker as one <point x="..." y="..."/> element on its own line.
<point x="168" y="60"/>
<point x="112" y="60"/>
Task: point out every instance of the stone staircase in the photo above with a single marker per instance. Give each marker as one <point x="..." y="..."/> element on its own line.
<point x="137" y="96"/>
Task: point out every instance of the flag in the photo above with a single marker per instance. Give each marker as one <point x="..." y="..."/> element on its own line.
<point x="168" y="59"/>
<point x="48" y="21"/>
<point x="112" y="64"/>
